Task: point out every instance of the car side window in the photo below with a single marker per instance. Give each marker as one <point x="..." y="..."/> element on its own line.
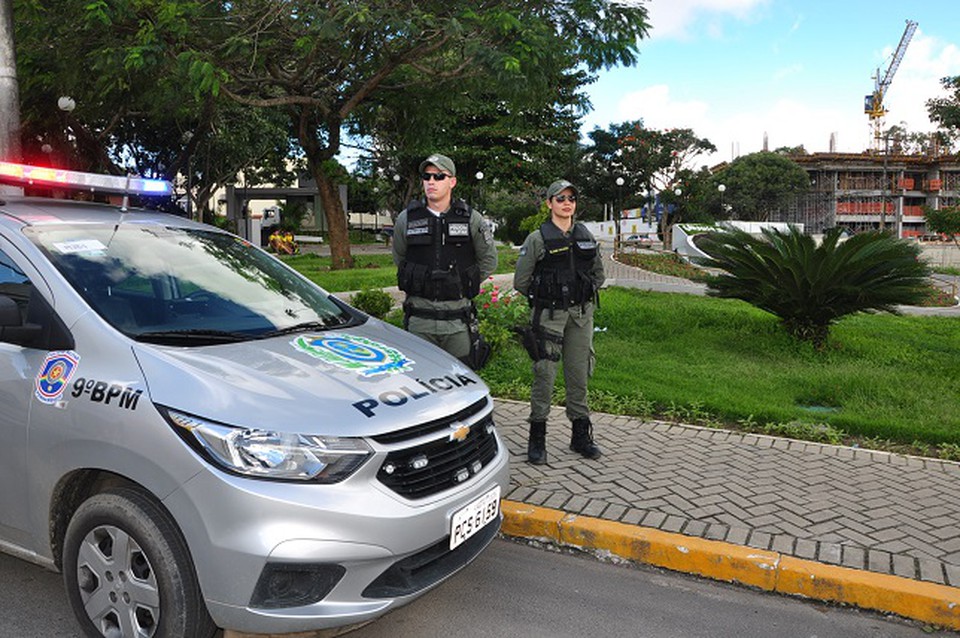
<point x="14" y="283"/>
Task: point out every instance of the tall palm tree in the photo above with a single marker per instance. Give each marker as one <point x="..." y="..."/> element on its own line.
<point x="810" y="286"/>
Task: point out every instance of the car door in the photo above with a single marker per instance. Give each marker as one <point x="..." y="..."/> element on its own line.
<point x="19" y="369"/>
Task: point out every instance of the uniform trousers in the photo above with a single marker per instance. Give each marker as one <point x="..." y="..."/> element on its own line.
<point x="575" y="328"/>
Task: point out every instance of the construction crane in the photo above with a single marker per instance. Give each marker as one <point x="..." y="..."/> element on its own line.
<point x="873" y="103"/>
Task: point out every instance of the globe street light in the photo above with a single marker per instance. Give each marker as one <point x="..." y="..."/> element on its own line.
<point x="66" y="103"/>
<point x="722" y="188"/>
<point x="396" y="190"/>
<point x="479" y="177"/>
<point x="616" y="237"/>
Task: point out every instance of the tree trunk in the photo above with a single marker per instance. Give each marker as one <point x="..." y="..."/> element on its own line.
<point x="340" y="257"/>
<point x="9" y="100"/>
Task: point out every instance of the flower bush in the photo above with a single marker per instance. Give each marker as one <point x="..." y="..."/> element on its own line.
<point x="499" y="313"/>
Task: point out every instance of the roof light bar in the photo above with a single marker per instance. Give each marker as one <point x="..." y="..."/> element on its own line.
<point x="25" y="174"/>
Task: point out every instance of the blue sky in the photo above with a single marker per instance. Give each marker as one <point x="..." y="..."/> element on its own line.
<point x="797" y="70"/>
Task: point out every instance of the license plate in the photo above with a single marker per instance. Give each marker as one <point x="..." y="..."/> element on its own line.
<point x="471" y="518"/>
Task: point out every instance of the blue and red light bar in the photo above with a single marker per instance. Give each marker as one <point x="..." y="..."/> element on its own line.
<point x="24" y="174"/>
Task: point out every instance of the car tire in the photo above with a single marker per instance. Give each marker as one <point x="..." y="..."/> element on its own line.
<point x="128" y="572"/>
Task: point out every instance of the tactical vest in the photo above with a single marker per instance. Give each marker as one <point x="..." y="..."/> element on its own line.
<point x="440" y="262"/>
<point x="563" y="278"/>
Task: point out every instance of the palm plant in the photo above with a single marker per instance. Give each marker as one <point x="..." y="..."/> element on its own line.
<point x="809" y="286"/>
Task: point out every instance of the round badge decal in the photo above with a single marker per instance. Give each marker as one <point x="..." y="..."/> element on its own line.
<point x="351" y="352"/>
<point x="54" y="375"/>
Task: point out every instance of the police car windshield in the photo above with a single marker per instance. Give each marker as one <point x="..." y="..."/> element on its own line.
<point x="175" y="285"/>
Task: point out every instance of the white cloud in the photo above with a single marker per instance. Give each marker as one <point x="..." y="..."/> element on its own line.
<point x="741" y="130"/>
<point x="674" y="19"/>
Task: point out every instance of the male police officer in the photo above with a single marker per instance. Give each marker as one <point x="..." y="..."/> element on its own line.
<point x="560" y="271"/>
<point x="443" y="251"/>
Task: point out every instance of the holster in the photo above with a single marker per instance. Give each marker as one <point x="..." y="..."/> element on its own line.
<point x="529" y="340"/>
<point x="480" y="350"/>
<point x="534" y="340"/>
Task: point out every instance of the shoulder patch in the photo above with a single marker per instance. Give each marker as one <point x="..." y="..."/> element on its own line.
<point x="487" y="231"/>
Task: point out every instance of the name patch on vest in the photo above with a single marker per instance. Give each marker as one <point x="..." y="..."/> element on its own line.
<point x="458" y="230"/>
<point x="418" y="227"/>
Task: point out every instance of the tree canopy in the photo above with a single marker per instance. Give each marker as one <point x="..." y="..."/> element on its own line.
<point x="322" y="64"/>
<point x="944" y="221"/>
<point x="133" y="105"/>
<point x="759" y="184"/>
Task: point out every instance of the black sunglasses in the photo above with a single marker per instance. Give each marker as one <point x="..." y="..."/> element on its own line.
<point x="564" y="198"/>
<point x="437" y="177"/>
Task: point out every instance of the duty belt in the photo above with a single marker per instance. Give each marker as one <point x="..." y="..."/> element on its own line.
<point x="464" y="314"/>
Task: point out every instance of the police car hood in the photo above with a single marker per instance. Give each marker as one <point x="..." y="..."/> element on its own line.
<point x="363" y="380"/>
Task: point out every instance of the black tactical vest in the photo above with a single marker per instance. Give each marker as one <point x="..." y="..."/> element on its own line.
<point x="440" y="263"/>
<point x="563" y="278"/>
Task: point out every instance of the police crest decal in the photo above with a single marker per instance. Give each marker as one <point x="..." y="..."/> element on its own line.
<point x="358" y="354"/>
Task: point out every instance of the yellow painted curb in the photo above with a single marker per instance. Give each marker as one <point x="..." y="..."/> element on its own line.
<point x="720" y="561"/>
<point x="530" y="521"/>
<point x="771" y="571"/>
<point x="929" y="602"/>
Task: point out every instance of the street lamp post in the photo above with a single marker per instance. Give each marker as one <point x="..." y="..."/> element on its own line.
<point x="616" y="236"/>
<point x="396" y="190"/>
<point x="187" y="138"/>
<point x="479" y="177"/>
<point x="722" y="188"/>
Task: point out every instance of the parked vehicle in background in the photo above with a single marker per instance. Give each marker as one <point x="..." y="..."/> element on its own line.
<point x="198" y="437"/>
<point x="639" y="241"/>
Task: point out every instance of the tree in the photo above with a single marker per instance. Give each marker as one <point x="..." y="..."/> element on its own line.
<point x="321" y="62"/>
<point x="809" y="287"/>
<point x="135" y="107"/>
<point x="944" y="221"/>
<point x="649" y="161"/>
<point x="9" y="102"/>
<point x="945" y="111"/>
<point x="760" y="184"/>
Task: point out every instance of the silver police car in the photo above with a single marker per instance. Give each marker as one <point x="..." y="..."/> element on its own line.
<point x="199" y="437"/>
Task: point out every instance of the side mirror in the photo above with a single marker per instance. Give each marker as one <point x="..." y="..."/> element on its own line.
<point x="9" y="312"/>
<point x="52" y="336"/>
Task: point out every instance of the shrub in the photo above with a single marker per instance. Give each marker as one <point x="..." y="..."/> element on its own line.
<point x="499" y="314"/>
<point x="809" y="287"/>
<point x="373" y="301"/>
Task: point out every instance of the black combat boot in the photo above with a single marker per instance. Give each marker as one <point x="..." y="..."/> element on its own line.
<point x="581" y="440"/>
<point x="537" y="445"/>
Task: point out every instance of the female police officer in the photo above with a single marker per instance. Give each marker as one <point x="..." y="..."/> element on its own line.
<point x="560" y="271"/>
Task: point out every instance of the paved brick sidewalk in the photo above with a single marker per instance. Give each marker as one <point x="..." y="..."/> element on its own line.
<point x="867" y="510"/>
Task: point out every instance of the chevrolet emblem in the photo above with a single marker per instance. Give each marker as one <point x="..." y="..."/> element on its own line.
<point x="459" y="432"/>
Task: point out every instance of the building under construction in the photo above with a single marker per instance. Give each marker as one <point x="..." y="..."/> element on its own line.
<point x="867" y="191"/>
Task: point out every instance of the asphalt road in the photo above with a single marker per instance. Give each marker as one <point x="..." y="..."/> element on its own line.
<point x="517" y="590"/>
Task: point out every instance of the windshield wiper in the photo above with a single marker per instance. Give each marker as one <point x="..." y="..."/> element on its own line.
<point x="193" y="334"/>
<point x="326" y="324"/>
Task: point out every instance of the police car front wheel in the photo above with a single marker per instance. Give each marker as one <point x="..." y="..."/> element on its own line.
<point x="128" y="572"/>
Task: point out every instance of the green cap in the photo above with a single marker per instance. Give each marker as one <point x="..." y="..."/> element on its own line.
<point x="442" y="162"/>
<point x="558" y="186"/>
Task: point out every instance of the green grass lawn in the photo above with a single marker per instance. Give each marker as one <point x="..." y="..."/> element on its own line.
<point x="723" y="362"/>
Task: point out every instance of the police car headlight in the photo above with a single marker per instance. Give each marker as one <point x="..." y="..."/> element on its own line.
<point x="272" y="455"/>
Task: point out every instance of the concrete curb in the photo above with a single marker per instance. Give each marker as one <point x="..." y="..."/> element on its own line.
<point x="767" y="570"/>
